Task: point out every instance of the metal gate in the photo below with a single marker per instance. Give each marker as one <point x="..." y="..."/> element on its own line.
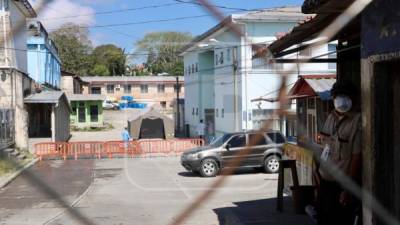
<point x="6" y="128"/>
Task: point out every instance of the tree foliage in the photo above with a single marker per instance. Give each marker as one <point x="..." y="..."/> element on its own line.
<point x="162" y="49"/>
<point x="110" y="57"/>
<point x="74" y="48"/>
<point x="78" y="56"/>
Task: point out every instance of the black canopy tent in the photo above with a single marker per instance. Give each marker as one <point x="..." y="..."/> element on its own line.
<point x="151" y="124"/>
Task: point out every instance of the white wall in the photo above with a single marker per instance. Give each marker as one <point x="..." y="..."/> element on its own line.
<point x="191" y="93"/>
<point x="19" y="40"/>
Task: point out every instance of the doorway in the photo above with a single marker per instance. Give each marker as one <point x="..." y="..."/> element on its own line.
<point x="151" y="129"/>
<point x="387" y="135"/>
<point x="39" y="120"/>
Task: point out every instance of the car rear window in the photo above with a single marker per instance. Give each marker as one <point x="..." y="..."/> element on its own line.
<point x="276" y="137"/>
<point x="257" y="139"/>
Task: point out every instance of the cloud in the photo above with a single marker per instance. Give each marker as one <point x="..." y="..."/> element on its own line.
<point x="52" y="14"/>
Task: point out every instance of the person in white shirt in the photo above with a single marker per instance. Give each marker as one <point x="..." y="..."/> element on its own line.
<point x="201" y="127"/>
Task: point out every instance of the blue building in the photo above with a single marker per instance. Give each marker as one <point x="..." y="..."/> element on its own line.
<point x="44" y="65"/>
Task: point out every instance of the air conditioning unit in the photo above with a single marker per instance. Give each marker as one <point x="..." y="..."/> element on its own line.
<point x="118" y="86"/>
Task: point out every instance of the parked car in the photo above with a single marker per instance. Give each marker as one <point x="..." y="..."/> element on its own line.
<point x="209" y="160"/>
<point x="108" y="104"/>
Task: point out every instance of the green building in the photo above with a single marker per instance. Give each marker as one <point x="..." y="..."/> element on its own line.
<point x="87" y="110"/>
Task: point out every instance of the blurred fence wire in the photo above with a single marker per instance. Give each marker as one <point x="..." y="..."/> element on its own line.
<point x="369" y="201"/>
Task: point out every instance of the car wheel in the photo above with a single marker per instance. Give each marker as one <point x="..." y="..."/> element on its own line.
<point x="271" y="164"/>
<point x="209" y="168"/>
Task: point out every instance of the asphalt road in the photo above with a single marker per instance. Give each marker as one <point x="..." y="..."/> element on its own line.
<point x="140" y="191"/>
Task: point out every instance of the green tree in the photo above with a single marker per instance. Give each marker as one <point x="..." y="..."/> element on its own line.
<point x="110" y="57"/>
<point x="162" y="49"/>
<point x="100" y="70"/>
<point x="74" y="48"/>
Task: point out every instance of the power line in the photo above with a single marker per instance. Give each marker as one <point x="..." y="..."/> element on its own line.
<point x="216" y="6"/>
<point x="111" y="11"/>
<point x="143" y="22"/>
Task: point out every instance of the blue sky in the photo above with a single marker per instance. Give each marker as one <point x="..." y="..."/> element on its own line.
<point x="125" y="36"/>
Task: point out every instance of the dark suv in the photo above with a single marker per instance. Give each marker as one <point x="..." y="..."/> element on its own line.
<point x="208" y="160"/>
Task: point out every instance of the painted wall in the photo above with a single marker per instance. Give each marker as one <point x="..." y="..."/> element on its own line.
<point x="192" y="90"/>
<point x="74" y="117"/>
<point x="252" y="80"/>
<point x="44" y="65"/>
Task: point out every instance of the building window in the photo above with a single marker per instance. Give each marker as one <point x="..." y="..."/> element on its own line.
<point x="144" y="88"/>
<point x="216" y="59"/>
<point x="197" y="111"/>
<point x="188" y="69"/>
<point x="163" y="104"/>
<point x="32" y="47"/>
<point x="197" y="67"/>
<point x="216" y="113"/>
<point x="110" y="88"/>
<point x="161" y="88"/>
<point x="81" y="113"/>
<point x="221" y="58"/>
<point x="127" y="88"/>
<point x="222" y="113"/>
<point x="332" y="48"/>
<point x="192" y="111"/>
<point x="192" y="68"/>
<point x="94" y="113"/>
<point x="95" y="90"/>
<point x="228" y="55"/>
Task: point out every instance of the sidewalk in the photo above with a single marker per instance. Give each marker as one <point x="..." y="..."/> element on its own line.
<point x="27" y="201"/>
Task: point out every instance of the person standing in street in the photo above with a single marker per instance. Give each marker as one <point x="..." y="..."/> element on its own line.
<point x="126" y="137"/>
<point x="341" y="141"/>
<point x="201" y="129"/>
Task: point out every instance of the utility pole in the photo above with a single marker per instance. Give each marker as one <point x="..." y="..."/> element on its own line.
<point x="178" y="117"/>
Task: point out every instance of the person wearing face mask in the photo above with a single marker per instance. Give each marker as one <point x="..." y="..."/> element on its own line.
<point x="341" y="142"/>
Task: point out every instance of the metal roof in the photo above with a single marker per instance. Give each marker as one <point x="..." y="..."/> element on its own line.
<point x="313" y="85"/>
<point x="132" y="79"/>
<point x="27" y="7"/>
<point x="322" y="87"/>
<point x="307" y="86"/>
<point x="86" y="97"/>
<point x="44" y="97"/>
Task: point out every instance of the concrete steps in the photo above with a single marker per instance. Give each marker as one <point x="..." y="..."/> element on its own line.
<point x="12" y="153"/>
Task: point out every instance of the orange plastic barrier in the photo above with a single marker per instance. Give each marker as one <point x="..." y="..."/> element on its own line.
<point x="51" y="149"/>
<point x="97" y="149"/>
<point x="120" y="148"/>
<point x="86" y="149"/>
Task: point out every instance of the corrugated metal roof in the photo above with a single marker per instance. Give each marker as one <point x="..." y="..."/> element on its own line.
<point x="322" y="87"/>
<point x="286" y="13"/>
<point x="131" y="78"/>
<point x="44" y="97"/>
<point x="86" y="97"/>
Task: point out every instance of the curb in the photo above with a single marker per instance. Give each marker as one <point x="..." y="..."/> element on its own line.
<point x="11" y="177"/>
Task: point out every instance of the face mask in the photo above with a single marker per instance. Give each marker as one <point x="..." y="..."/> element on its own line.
<point x="342" y="103"/>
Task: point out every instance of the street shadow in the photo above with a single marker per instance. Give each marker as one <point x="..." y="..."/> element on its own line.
<point x="239" y="171"/>
<point x="260" y="212"/>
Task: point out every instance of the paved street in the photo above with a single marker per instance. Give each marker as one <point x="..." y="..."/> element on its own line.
<point x="139" y="191"/>
<point x="118" y="119"/>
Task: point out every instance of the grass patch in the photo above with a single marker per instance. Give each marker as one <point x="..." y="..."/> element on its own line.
<point x="106" y="127"/>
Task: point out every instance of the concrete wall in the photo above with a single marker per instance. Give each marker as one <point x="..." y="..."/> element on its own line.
<point x="247" y="82"/>
<point x="192" y="92"/>
<point x="152" y="98"/>
<point x="12" y="97"/>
